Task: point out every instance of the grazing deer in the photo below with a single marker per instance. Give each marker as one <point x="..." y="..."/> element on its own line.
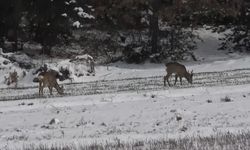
<point x="179" y="70"/>
<point x="49" y="79"/>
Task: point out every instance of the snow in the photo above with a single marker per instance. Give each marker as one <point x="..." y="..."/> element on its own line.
<point x="86" y="57"/>
<point x="125" y="115"/>
<point x="64" y="15"/>
<point x="77" y="24"/>
<point x="83" y="14"/>
<point x="129" y="115"/>
<point x="72" y="1"/>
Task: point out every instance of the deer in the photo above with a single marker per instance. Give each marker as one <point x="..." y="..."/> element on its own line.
<point x="49" y="79"/>
<point x="179" y="70"/>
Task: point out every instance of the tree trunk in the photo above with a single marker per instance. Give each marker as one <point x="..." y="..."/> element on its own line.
<point x="46" y="50"/>
<point x="172" y="39"/>
<point x="154" y="25"/>
<point x="17" y="17"/>
<point x="154" y="29"/>
<point x="16" y="39"/>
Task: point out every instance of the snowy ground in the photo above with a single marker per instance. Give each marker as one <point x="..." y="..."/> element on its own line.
<point x="140" y="115"/>
<point x="218" y="101"/>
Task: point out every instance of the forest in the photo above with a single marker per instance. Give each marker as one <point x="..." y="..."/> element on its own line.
<point x="128" y="30"/>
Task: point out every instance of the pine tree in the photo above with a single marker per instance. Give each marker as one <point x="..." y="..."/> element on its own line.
<point x="237" y="37"/>
<point x="11" y="13"/>
<point x="51" y="21"/>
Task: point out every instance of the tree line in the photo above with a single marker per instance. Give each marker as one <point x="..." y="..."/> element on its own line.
<point x="165" y="26"/>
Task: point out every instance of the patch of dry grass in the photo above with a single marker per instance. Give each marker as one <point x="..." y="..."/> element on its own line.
<point x="220" y="141"/>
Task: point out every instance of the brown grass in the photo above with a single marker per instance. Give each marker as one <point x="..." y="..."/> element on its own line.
<point x="220" y="141"/>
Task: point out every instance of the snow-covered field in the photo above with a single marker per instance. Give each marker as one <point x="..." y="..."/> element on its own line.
<point x="127" y="116"/>
<point x="129" y="103"/>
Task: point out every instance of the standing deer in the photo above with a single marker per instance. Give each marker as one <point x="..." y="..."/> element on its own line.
<point x="49" y="79"/>
<point x="179" y="70"/>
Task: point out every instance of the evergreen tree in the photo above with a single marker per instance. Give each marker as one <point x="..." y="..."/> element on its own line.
<point x="52" y="21"/>
<point x="11" y="13"/>
<point x="237" y="37"/>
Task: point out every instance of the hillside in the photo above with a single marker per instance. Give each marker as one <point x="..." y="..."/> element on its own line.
<point x="128" y="103"/>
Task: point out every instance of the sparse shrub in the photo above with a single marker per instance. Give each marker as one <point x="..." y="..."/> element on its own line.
<point x="183" y="129"/>
<point x="135" y="54"/>
<point x="54" y="121"/>
<point x="5" y="62"/>
<point x="12" y="78"/>
<point x="30" y="104"/>
<point x="45" y="127"/>
<point x="173" y="110"/>
<point x="24" y="74"/>
<point x="65" y="73"/>
<point x="226" y="99"/>
<point x="178" y="117"/>
<point x="153" y="96"/>
<point x="209" y="101"/>
<point x="23" y="103"/>
<point x="103" y="124"/>
<point x="18" y="138"/>
<point x="158" y="123"/>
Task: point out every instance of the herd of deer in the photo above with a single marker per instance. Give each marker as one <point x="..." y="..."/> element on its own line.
<point x="49" y="78"/>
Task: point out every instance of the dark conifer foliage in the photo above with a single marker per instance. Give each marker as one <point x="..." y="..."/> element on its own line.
<point x="238" y="36"/>
<point x="50" y="21"/>
<point x="164" y="27"/>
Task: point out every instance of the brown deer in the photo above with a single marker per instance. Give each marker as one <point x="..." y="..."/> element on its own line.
<point x="49" y="79"/>
<point x="179" y="70"/>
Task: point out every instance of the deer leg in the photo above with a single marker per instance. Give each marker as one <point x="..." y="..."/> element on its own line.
<point x="61" y="90"/>
<point x="164" y="78"/>
<point x="181" y="80"/>
<point x="15" y="84"/>
<point x="176" y="76"/>
<point x="58" y="88"/>
<point x="167" y="76"/>
<point x="41" y="91"/>
<point x="40" y="88"/>
<point x="50" y="90"/>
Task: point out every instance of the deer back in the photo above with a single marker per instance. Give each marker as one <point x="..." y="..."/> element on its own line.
<point x="177" y="68"/>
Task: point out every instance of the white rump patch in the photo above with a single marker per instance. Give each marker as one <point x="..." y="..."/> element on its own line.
<point x="40" y="77"/>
